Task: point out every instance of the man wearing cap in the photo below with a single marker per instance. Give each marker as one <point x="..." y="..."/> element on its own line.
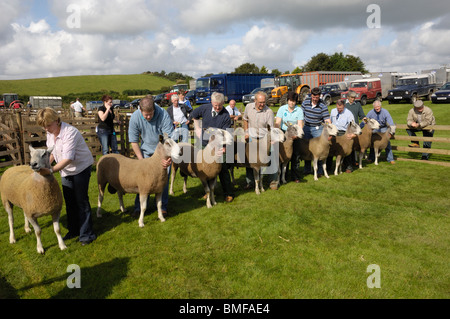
<point x="315" y="113"/>
<point x="420" y="117"/>
<point x="358" y="113"/>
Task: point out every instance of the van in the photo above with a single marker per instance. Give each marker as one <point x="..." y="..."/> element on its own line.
<point x="366" y="90"/>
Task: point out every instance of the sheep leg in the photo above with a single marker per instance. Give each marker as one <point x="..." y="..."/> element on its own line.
<point x="377" y="154"/>
<point x="361" y="155"/>
<point x="159" y="207"/>
<point x="338" y="169"/>
<point x="143" y="202"/>
<point x="122" y="206"/>
<point x="232" y="175"/>
<point x="9" y="209"/>
<point x="283" y="172"/>
<point x="207" y="192"/>
<point x="324" y="166"/>
<point x="37" y="231"/>
<point x="27" y="225"/>
<point x="101" y="193"/>
<point x="257" y="181"/>
<point x="57" y="230"/>
<point x="212" y="186"/>
<point x="172" y="178"/>
<point x="185" y="185"/>
<point x="315" y="165"/>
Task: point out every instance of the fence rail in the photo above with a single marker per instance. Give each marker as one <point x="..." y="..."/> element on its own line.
<point x="402" y="128"/>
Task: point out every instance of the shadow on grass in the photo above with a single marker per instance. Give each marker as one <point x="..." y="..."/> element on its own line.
<point x="97" y="282"/>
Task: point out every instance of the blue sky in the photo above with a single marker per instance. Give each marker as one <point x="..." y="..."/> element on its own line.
<point x="196" y="37"/>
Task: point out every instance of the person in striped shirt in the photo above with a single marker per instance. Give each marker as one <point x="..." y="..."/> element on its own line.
<point x="315" y="113"/>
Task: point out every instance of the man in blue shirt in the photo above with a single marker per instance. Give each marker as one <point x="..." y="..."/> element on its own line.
<point x="316" y="113"/>
<point x="383" y="118"/>
<point x="147" y="124"/>
<point x="216" y="116"/>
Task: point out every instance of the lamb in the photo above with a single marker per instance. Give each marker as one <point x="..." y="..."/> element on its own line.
<point x="143" y="177"/>
<point x="205" y="164"/>
<point x="256" y="154"/>
<point x="363" y="142"/>
<point x="286" y="149"/>
<point x="317" y="148"/>
<point x="37" y="194"/>
<point x="342" y="146"/>
<point x="381" y="140"/>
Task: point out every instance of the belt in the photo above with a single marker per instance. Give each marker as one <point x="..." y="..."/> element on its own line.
<point x="312" y="125"/>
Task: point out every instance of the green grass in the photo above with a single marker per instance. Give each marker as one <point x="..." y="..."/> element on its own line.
<point x="314" y="239"/>
<point x="60" y="86"/>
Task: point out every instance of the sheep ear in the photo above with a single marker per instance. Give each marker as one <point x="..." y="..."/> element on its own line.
<point x="31" y="148"/>
<point x="50" y="149"/>
<point x="161" y="139"/>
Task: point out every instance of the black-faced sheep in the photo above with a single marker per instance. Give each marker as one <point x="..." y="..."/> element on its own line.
<point x="205" y="164"/>
<point x="143" y="177"/>
<point x="317" y="148"/>
<point x="37" y="194"/>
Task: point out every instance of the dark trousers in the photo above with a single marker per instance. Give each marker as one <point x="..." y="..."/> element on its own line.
<point x="76" y="196"/>
<point x="426" y="133"/>
<point x="225" y="180"/>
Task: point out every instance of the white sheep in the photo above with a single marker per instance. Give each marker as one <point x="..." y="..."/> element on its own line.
<point x="205" y="164"/>
<point x="381" y="140"/>
<point x="342" y="146"/>
<point x="286" y="149"/>
<point x="256" y="154"/>
<point x="364" y="140"/>
<point x="317" y="149"/>
<point x="37" y="194"/>
<point x="143" y="177"/>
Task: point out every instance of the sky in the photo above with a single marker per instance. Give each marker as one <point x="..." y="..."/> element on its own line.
<point x="54" y="38"/>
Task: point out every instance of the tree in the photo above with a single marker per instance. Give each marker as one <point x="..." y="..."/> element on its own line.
<point x="276" y="72"/>
<point x="297" y="70"/>
<point x="247" y="68"/>
<point x="335" y="62"/>
<point x="263" y="70"/>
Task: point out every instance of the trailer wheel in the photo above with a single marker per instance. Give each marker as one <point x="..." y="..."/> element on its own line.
<point x="303" y="93"/>
<point x="327" y="101"/>
<point x="283" y="100"/>
<point x="413" y="98"/>
<point x="364" y="100"/>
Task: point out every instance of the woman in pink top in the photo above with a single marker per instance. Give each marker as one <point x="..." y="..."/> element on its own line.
<point x="74" y="162"/>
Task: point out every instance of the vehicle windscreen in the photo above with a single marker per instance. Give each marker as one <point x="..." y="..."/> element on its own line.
<point x="406" y="82"/>
<point x="446" y="86"/>
<point x="202" y="84"/>
<point x="358" y="84"/>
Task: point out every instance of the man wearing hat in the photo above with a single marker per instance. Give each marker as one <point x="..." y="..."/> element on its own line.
<point x="358" y="113"/>
<point x="419" y="118"/>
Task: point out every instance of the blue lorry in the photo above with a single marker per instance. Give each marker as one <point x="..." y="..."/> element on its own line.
<point x="233" y="86"/>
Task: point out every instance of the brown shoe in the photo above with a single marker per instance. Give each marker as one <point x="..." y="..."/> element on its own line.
<point x="414" y="145"/>
<point x="274" y="186"/>
<point x="164" y="213"/>
<point x="348" y="171"/>
<point x="229" y="199"/>
<point x="248" y="186"/>
<point x="392" y="162"/>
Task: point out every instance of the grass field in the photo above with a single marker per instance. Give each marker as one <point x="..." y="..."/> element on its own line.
<point x="315" y="239"/>
<point x="60" y="86"/>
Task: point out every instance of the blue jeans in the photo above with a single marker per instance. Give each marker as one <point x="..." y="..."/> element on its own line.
<point x="181" y="134"/>
<point x="426" y="133"/>
<point x="309" y="133"/>
<point x="79" y="213"/>
<point x="389" y="154"/>
<point x="164" y="198"/>
<point x="107" y="139"/>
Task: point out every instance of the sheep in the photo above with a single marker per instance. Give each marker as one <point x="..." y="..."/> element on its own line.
<point x="363" y="142"/>
<point x="143" y="177"/>
<point x="256" y="154"/>
<point x="342" y="146"/>
<point x="205" y="164"/>
<point x="286" y="149"/>
<point x="381" y="140"/>
<point x="37" y="194"/>
<point x="317" y="148"/>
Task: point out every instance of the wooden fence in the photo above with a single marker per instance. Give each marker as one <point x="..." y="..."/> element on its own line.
<point x="401" y="128"/>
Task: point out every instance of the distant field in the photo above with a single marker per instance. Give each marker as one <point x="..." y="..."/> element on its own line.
<point x="61" y="86"/>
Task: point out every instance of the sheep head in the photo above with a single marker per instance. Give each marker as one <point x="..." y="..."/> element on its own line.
<point x="219" y="137"/>
<point x="354" y="128"/>
<point x="332" y="129"/>
<point x="373" y="124"/>
<point x="40" y="158"/>
<point x="171" y="149"/>
<point x="277" y="135"/>
<point x="294" y="130"/>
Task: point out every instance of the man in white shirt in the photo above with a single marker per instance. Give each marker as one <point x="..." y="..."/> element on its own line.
<point x="78" y="108"/>
<point x="234" y="112"/>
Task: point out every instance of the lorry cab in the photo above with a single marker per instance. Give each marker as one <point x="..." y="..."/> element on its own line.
<point x="366" y="90"/>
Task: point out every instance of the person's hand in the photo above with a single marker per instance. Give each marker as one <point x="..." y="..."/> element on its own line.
<point x="166" y="162"/>
<point x="247" y="137"/>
